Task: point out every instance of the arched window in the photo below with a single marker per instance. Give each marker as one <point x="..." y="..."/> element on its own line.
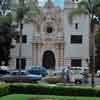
<point x="49" y="29"/>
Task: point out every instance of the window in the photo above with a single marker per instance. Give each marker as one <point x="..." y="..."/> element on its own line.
<point x="76" y="38"/>
<point x="76" y="26"/>
<point x="24" y="39"/>
<point x="23" y="63"/>
<point x="75" y="0"/>
<point x="17" y="38"/>
<point x="76" y="62"/>
<point x="49" y="29"/>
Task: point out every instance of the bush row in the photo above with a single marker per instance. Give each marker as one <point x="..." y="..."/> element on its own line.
<point x="4" y="89"/>
<point x="49" y="90"/>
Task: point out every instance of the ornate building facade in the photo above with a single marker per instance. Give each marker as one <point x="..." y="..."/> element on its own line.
<point x="48" y="40"/>
<point x="53" y="42"/>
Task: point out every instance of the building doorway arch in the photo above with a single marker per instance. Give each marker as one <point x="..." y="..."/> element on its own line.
<point x="48" y="60"/>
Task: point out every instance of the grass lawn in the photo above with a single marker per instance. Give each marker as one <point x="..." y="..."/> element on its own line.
<point x="44" y="97"/>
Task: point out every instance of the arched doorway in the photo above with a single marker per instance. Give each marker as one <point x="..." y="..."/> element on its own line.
<point x="48" y="60"/>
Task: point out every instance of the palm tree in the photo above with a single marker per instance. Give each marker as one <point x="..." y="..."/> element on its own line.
<point x="23" y="12"/>
<point x="90" y="8"/>
<point x="5" y="31"/>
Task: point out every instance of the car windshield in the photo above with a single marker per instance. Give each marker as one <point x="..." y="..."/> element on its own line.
<point x="38" y="70"/>
<point x="76" y="70"/>
<point x="4" y="72"/>
<point x="17" y="73"/>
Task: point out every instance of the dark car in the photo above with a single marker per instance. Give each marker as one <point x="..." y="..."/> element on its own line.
<point x="38" y="71"/>
<point x="23" y="77"/>
<point x="4" y="72"/>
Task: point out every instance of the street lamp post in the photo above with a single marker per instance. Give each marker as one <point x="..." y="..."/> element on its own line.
<point x="20" y="15"/>
<point x="20" y="47"/>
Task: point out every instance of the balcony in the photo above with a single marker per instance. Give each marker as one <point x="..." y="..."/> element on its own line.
<point x="49" y="37"/>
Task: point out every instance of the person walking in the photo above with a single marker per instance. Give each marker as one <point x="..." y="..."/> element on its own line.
<point x="85" y="76"/>
<point x="66" y="75"/>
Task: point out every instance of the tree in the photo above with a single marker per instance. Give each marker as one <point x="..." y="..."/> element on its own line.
<point x="24" y="11"/>
<point x="6" y="33"/>
<point x="97" y="51"/>
<point x="90" y="8"/>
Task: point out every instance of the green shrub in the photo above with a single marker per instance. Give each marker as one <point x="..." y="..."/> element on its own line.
<point x="28" y="88"/>
<point x="47" y="90"/>
<point x="4" y="89"/>
<point x="52" y="90"/>
<point x="97" y="92"/>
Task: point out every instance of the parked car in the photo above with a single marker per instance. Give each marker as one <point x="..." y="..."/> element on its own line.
<point x="77" y="74"/>
<point x="4" y="72"/>
<point x="98" y="73"/>
<point x="38" y="71"/>
<point x="24" y="77"/>
<point x="53" y="77"/>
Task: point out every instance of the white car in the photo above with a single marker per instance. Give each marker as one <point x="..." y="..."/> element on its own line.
<point x="98" y="73"/>
<point x="77" y="74"/>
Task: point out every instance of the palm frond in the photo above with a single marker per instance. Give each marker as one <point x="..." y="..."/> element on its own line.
<point x="82" y="8"/>
<point x="76" y="12"/>
<point x="5" y="19"/>
<point x="97" y="39"/>
<point x="97" y="11"/>
<point x="96" y="7"/>
<point x="84" y="4"/>
<point x="91" y="7"/>
<point x="25" y="11"/>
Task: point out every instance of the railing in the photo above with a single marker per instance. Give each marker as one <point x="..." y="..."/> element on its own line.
<point x="58" y="37"/>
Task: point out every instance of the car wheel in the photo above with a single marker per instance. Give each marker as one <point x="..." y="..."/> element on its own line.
<point x="78" y="82"/>
<point x="75" y="81"/>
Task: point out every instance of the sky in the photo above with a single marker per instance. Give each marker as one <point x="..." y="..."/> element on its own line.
<point x="56" y="2"/>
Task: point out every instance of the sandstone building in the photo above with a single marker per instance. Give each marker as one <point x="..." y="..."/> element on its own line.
<point x="51" y="41"/>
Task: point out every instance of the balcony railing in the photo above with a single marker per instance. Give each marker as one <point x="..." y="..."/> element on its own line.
<point x="57" y="37"/>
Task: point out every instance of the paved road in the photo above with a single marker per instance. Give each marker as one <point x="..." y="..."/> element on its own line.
<point x="97" y="80"/>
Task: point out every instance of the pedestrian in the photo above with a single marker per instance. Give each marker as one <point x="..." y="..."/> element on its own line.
<point x="66" y="75"/>
<point x="64" y="72"/>
<point x="72" y="77"/>
<point x="85" y="76"/>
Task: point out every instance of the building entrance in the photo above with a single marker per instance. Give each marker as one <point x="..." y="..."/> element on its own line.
<point x="48" y="60"/>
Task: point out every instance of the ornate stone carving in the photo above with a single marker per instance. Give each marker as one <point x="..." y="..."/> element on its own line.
<point x="52" y="40"/>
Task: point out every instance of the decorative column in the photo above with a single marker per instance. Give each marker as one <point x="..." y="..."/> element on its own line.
<point x="59" y="48"/>
<point x="56" y="55"/>
<point x="62" y="54"/>
<point x="36" y="53"/>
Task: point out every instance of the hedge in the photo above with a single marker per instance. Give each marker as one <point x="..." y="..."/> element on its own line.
<point x="47" y="90"/>
<point x="4" y="89"/>
<point x="53" y="90"/>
